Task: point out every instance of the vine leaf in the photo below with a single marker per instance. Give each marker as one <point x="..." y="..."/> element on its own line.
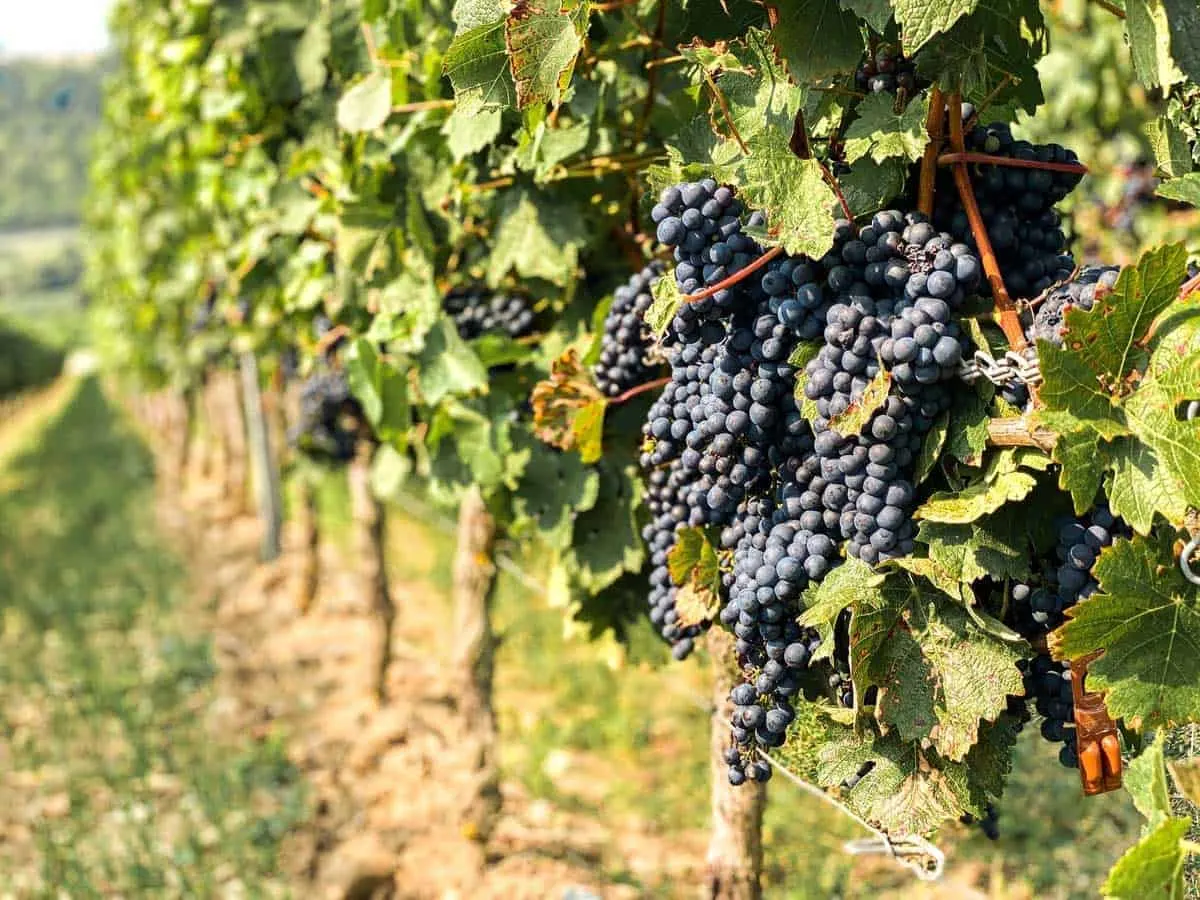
<point x="560" y="487"/>
<point x="852" y="422"/>
<point x="1163" y="36"/>
<point x="792" y="192"/>
<point x="542" y="45"/>
<point x="968" y="435"/>
<point x="476" y="62"/>
<point x="907" y="790"/>
<point x="558" y="400"/>
<point x="665" y="305"/>
<point x="882" y="134"/>
<point x="367" y="105"/>
<point x="922" y="19"/>
<point x="1186" y="775"/>
<point x="447" y="365"/>
<point x="696" y="571"/>
<point x="1004" y="481"/>
<point x="607" y="539"/>
<point x="1185" y="189"/>
<point x="1146" y="619"/>
<point x="931" y="448"/>
<point x="536" y="239"/>
<point x="939" y="675"/>
<point x="1146" y="781"/>
<point x="816" y="38"/>
<point x="587" y="428"/>
<point x="1153" y="867"/>
<point x="757" y="91"/>
<point x="844" y="587"/>
<point x="381" y="390"/>
<point x="870" y="186"/>
<point x="1076" y="454"/>
<point x="469" y="132"/>
<point x="876" y="13"/>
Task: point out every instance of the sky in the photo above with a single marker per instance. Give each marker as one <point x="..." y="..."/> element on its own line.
<point x="53" y="27"/>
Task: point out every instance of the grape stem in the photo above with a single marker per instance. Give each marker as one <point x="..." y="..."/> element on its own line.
<point x="933" y="127"/>
<point x="947" y="159"/>
<point x="734" y="278"/>
<point x="1110" y="7"/>
<point x="1189" y="286"/>
<point x="1006" y="311"/>
<point x="422" y="105"/>
<point x="724" y="104"/>
<point x="639" y="389"/>
<point x="331" y="337"/>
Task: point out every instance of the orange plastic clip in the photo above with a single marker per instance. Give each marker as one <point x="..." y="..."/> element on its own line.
<point x="1097" y="740"/>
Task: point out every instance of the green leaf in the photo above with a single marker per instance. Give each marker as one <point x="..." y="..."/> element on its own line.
<point x="922" y="19"/>
<point x="448" y="365"/>
<point x="852" y="422"/>
<point x="968" y="434"/>
<point x="1141" y="487"/>
<point x="844" y="587"/>
<point x="1146" y="781"/>
<point x="906" y="791"/>
<point x="1148" y="27"/>
<point x="692" y="553"/>
<point x="1173" y="156"/>
<point x="1153" y="867"/>
<point x="939" y="675"/>
<point x="792" y="192"/>
<point x="870" y="186"/>
<point x="537" y="239"/>
<point x="1074" y="395"/>
<point x="817" y="39"/>
<point x="931" y="448"/>
<point x="666" y="303"/>
<point x="758" y="94"/>
<point x="1185" y="189"/>
<point x="588" y="428"/>
<point x="367" y="105"/>
<point x="381" y="390"/>
<point x="468" y="133"/>
<point x="883" y="134"/>
<point x="876" y="13"/>
<point x="1077" y="452"/>
<point x="477" y="65"/>
<point x="607" y="539"/>
<point x="542" y="46"/>
<point x="1003" y="483"/>
<point x="558" y="486"/>
<point x="1108" y="336"/>
<point x="1146" y="619"/>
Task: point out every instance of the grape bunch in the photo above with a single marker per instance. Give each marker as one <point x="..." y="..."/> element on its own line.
<point x="1038" y="610"/>
<point x="887" y="70"/>
<point x="1017" y="206"/>
<point x="627" y="356"/>
<point x="727" y="446"/>
<point x="1079" y="292"/>
<point x="329" y="420"/>
<point x="476" y="313"/>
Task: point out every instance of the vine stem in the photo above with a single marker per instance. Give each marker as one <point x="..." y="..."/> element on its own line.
<point x="422" y="105"/>
<point x="933" y="127"/>
<point x="948" y="159"/>
<point x="1110" y="7"/>
<point x="639" y="389"/>
<point x="735" y="277"/>
<point x="987" y="101"/>
<point x="724" y="104"/>
<point x="1006" y="311"/>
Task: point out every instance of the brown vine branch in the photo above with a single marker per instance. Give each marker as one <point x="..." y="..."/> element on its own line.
<point x="933" y="127"/>
<point x="1017" y="432"/>
<point x="612" y="5"/>
<point x="1110" y="7"/>
<point x="1006" y="311"/>
<point x="331" y="338"/>
<point x="949" y="159"/>
<point x="1189" y="286"/>
<point x="665" y="61"/>
<point x="1008" y="79"/>
<point x="733" y="279"/>
<point x="640" y="389"/>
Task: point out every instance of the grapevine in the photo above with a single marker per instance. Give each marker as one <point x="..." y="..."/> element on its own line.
<point x="701" y="309"/>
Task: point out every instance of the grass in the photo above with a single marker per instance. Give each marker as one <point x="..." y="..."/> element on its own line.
<point x="105" y="681"/>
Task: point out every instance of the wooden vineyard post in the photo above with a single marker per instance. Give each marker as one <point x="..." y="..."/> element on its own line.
<point x="474" y="658"/>
<point x="310" y="547"/>
<point x="370" y="556"/>
<point x="187" y="425"/>
<point x="235" y="422"/>
<point x="263" y="463"/>
<point x="735" y="852"/>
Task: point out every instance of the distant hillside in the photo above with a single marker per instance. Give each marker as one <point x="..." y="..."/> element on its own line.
<point x="48" y="113"/>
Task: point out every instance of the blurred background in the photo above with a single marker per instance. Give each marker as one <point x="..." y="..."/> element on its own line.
<point x="153" y="743"/>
